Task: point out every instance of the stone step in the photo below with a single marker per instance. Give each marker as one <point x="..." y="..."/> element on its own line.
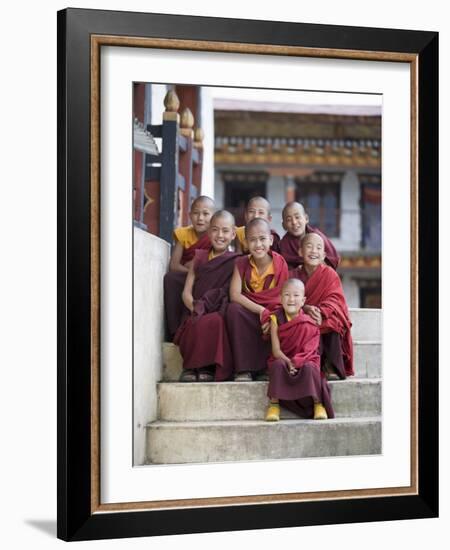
<point x="204" y="442"/>
<point x="367" y="360"/>
<point x="367" y="324"/>
<point x="208" y="401"/>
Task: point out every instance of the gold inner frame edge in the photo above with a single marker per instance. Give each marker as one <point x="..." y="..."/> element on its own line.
<point x="97" y="41"/>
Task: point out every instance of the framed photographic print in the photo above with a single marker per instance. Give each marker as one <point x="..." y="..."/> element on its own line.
<point x="168" y="122"/>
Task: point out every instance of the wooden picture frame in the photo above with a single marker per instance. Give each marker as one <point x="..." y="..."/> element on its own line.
<point x="81" y="35"/>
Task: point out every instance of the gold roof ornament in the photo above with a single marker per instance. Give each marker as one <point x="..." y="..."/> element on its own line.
<point x="199" y="135"/>
<point x="187" y="123"/>
<point x="172" y="104"/>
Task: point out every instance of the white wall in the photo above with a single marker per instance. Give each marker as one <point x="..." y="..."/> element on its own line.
<point x="151" y="257"/>
<point x="351" y="291"/>
<point x="350" y="224"/>
<point x="207" y="125"/>
<point x="158" y="94"/>
<point x="275" y="195"/>
<point x="28" y="351"/>
<point x="350" y="235"/>
<point x="219" y="191"/>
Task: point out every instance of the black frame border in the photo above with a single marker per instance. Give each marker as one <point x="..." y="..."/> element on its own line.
<point x="75" y="520"/>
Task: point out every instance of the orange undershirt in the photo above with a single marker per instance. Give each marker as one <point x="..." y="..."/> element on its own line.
<point x="186" y="236"/>
<point x="257" y="280"/>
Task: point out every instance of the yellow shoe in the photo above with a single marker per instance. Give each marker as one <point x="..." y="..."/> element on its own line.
<point x="319" y="412"/>
<point x="273" y="412"/>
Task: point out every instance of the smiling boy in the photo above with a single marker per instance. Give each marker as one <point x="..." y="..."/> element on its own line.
<point x="193" y="237"/>
<point x="295" y="380"/>
<point x="257" y="207"/>
<point x="326" y="305"/>
<point x="202" y="337"/>
<point x="187" y="241"/>
<point x="296" y="225"/>
<point x="254" y="293"/>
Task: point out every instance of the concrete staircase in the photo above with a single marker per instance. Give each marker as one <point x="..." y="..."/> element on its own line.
<point x="218" y="422"/>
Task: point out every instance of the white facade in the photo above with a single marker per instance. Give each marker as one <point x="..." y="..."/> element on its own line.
<point x="151" y="258"/>
<point x="349" y="239"/>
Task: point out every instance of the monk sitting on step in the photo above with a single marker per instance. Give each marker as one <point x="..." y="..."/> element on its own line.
<point x="295" y="379"/>
<point x="202" y="337"/>
<point x="296" y="224"/>
<point x="254" y="293"/>
<point x="326" y="305"/>
<point x="257" y="207"/>
<point x="187" y="240"/>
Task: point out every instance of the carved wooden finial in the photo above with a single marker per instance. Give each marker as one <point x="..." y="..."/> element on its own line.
<point x="199" y="135"/>
<point x="172" y="104"/>
<point x="187" y="122"/>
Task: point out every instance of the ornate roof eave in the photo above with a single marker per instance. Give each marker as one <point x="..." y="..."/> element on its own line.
<point x="297" y="159"/>
<point x="360" y="262"/>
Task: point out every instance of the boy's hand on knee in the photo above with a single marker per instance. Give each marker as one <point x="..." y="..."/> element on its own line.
<point x="291" y="367"/>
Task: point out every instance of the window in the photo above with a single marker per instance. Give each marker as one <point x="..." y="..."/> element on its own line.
<point x="371" y="212"/>
<point x="320" y="193"/>
<point x="370" y="294"/>
<point x="240" y="187"/>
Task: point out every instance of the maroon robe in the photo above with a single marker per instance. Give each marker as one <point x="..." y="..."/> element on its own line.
<point x="299" y="340"/>
<point x="269" y="297"/>
<point x="174" y="281"/>
<point x="289" y="249"/>
<point x="202" y="337"/>
<point x="202" y="244"/>
<point x="276" y="242"/>
<point x="250" y="351"/>
<point x="324" y="290"/>
<point x="173" y="303"/>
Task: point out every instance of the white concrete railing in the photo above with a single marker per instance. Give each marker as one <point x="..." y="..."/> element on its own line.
<point x="151" y="258"/>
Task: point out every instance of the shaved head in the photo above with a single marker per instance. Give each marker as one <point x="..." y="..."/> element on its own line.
<point x="223" y="214"/>
<point x="312" y="237"/>
<point x="292" y="205"/>
<point x="294" y="282"/>
<point x="203" y="200"/>
<point x="261" y="201"/>
<point x="256" y="222"/>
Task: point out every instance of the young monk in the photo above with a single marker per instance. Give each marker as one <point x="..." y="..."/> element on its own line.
<point x="295" y="223"/>
<point x="257" y="207"/>
<point x="326" y="305"/>
<point x="187" y="241"/>
<point x="202" y="337"/>
<point x="295" y="380"/>
<point x="254" y="293"/>
<point x="193" y="237"/>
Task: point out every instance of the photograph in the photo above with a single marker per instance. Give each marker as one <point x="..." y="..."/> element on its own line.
<point x="211" y="381"/>
<point x="245" y="306"/>
<point x="224" y="282"/>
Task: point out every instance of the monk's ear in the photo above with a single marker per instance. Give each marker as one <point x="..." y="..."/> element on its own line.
<point x="306" y="217"/>
<point x="283" y="225"/>
<point x="271" y="239"/>
<point x="303" y="301"/>
<point x="269" y="217"/>
<point x="233" y="233"/>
